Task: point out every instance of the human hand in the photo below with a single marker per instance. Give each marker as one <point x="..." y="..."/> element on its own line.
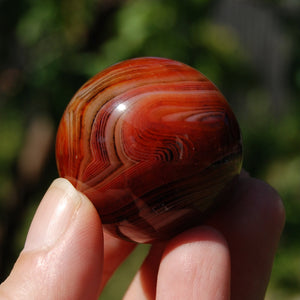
<point x="67" y="256"/>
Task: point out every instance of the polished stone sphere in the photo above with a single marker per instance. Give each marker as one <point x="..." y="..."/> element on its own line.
<point x="153" y="144"/>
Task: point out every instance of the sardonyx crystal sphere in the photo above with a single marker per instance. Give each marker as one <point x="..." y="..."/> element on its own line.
<point x="153" y="144"/>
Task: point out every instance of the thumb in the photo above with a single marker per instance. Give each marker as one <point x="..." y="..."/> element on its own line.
<point x="63" y="253"/>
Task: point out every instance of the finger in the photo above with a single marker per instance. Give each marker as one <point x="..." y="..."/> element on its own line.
<point x="115" y="252"/>
<point x="63" y="253"/>
<point x="194" y="265"/>
<point x="252" y="223"/>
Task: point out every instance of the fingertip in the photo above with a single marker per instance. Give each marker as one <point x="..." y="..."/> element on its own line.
<point x="63" y="255"/>
<point x="264" y="196"/>
<point x="195" y="265"/>
<point x="252" y="221"/>
<point x="53" y="216"/>
<point x="196" y="235"/>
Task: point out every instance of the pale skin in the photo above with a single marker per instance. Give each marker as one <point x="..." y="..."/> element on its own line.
<point x="67" y="255"/>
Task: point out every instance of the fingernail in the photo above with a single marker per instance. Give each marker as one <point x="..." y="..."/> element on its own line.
<point x="53" y="216"/>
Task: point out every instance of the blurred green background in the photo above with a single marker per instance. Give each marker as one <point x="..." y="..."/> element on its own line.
<point x="249" y="49"/>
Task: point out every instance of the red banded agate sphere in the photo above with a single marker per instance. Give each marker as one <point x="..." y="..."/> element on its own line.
<point x="152" y="143"/>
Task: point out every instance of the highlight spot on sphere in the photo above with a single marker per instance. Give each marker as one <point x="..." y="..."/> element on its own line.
<point x="121" y="107"/>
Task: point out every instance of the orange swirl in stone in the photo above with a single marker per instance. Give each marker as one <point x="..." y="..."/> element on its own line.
<point x="152" y="143"/>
